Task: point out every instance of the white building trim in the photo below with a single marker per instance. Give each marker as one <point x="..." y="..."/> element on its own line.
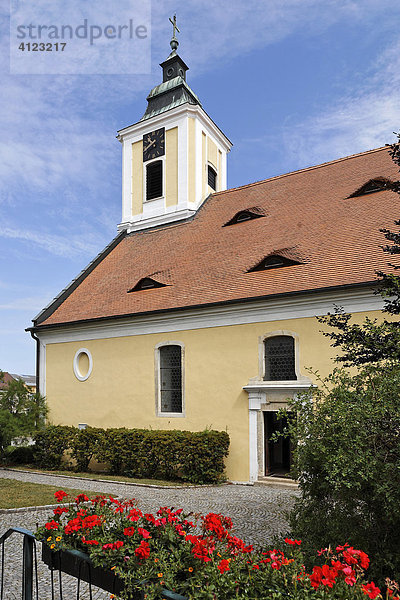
<point x="263" y="311"/>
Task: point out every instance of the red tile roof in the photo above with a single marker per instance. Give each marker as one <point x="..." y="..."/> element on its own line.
<point x="308" y="217"/>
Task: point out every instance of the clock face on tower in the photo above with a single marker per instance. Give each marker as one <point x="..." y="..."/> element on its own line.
<point x="154" y="144"/>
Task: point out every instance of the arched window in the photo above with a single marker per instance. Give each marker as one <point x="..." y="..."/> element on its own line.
<point x="279" y="355"/>
<point x="154" y="180"/>
<point x="212" y="178"/>
<point x="170" y="379"/>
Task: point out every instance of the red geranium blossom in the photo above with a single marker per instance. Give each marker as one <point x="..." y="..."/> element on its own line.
<point x="113" y="546"/>
<point x="60" y="495"/>
<point x="52" y="525"/>
<point x="223" y="566"/>
<point x="143" y="551"/>
<point x="129" y="531"/>
<point x="60" y="510"/>
<point x="81" y="498"/>
<point x="371" y="590"/>
<point x="143" y="532"/>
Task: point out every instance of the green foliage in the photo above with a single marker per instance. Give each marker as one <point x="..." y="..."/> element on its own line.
<point x="84" y="444"/>
<point x="197" y="457"/>
<point x="198" y="557"/>
<point x="203" y="456"/>
<point x="346" y="436"/>
<point x="19" y="455"/>
<point x="51" y="443"/>
<point x="373" y="341"/>
<point x="22" y="412"/>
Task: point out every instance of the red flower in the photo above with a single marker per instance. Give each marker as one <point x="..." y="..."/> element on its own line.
<point x="73" y="525"/>
<point x="324" y="575"/>
<point x="143" y="532"/>
<point x="60" y="495"/>
<point x="91" y="521"/>
<point x="143" y="551"/>
<point x="371" y="590"/>
<point x="60" y="510"/>
<point x="81" y="498"/>
<point x="90" y="542"/>
<point x="51" y="525"/>
<point x="114" y="546"/>
<point x="129" y="531"/>
<point x="134" y="514"/>
<point x="223" y="565"/>
<point x="292" y="542"/>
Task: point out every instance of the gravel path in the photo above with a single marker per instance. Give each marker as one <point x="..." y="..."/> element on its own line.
<point x="258" y="514"/>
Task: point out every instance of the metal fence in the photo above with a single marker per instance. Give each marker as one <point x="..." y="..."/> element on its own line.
<point x="62" y="583"/>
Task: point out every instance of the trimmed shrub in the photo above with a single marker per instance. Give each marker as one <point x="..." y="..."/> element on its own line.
<point x="19" y="455"/>
<point x="203" y="455"/>
<point x="84" y="445"/>
<point x="196" y="457"/>
<point x="119" y="448"/>
<point x="51" y="443"/>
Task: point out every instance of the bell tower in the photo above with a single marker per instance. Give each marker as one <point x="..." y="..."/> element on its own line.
<point x="174" y="157"/>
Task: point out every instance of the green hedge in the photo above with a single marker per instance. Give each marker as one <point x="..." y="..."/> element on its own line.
<point x="50" y="445"/>
<point x="19" y="455"/>
<point x="196" y="457"/>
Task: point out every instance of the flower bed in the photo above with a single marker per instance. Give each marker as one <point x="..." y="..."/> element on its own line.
<point x="196" y="556"/>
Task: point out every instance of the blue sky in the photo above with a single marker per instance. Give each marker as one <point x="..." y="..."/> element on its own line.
<point x="291" y="82"/>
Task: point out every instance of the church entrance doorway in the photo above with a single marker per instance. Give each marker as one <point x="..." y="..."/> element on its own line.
<point x="277" y="454"/>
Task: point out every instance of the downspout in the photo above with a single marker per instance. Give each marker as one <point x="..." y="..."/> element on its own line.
<point x="37" y="360"/>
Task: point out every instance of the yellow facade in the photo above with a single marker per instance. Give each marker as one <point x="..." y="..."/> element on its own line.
<point x="218" y="363"/>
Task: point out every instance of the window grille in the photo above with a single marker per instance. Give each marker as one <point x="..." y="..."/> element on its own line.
<point x="154" y="177"/>
<point x="212" y="178"/>
<point x="171" y="378"/>
<point x="279" y="358"/>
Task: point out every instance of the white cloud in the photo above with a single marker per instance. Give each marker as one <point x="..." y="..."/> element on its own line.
<point x="356" y="122"/>
<point x="223" y="30"/>
<point x="57" y="139"/>
<point x="59" y="245"/>
<point x="27" y="304"/>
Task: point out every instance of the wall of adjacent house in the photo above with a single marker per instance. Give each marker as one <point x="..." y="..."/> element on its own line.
<point x="218" y="362"/>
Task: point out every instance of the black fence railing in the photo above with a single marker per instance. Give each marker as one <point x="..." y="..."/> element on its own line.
<point x="71" y="562"/>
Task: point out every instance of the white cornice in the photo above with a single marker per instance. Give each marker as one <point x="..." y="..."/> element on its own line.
<point x="169" y="118"/>
<point x="275" y="309"/>
<point x="137" y="224"/>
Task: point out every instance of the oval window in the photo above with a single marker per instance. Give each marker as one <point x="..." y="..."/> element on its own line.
<point x="83" y="364"/>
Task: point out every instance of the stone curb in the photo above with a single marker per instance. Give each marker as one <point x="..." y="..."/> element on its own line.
<point x="114" y="482"/>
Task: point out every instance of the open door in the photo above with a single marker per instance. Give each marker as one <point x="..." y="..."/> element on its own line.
<point x="277" y="454"/>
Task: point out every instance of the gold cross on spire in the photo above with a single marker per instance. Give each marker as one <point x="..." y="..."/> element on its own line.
<point x="174" y="25"/>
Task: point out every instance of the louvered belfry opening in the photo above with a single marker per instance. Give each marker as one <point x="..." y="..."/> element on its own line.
<point x="279" y="358"/>
<point x="171" y="378"/>
<point x="212" y="178"/>
<point x="154" y="180"/>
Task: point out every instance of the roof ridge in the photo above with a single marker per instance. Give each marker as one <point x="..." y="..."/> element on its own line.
<point x="329" y="162"/>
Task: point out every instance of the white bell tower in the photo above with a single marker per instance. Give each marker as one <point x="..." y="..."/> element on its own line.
<point x="174" y="157"/>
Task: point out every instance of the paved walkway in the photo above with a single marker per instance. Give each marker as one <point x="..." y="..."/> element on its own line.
<point x="258" y="514"/>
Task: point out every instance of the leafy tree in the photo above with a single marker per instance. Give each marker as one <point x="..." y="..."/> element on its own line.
<point x="346" y="434"/>
<point x="373" y="341"/>
<point x="346" y="438"/>
<point x="22" y="412"/>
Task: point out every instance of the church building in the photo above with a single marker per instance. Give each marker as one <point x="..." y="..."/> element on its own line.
<point x="201" y="312"/>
